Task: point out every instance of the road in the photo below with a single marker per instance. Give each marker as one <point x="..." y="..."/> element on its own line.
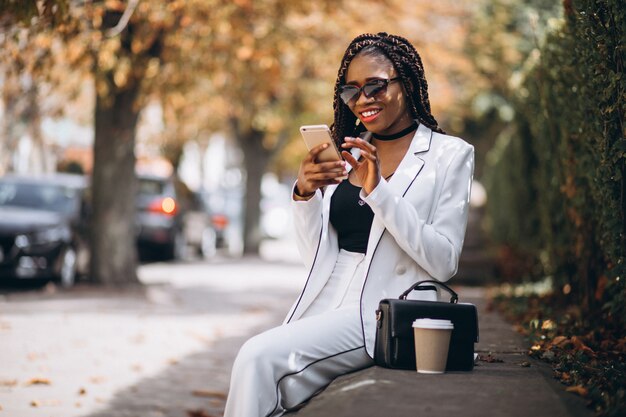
<point x="164" y="350"/>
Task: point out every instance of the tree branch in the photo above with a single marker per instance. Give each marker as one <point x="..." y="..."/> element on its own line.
<point x="123" y="22"/>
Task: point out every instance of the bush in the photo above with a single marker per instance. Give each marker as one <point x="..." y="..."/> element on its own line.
<point x="557" y="180"/>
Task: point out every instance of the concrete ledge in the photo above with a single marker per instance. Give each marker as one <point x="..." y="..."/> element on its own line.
<point x="518" y="386"/>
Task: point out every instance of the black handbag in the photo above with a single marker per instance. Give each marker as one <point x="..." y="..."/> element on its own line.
<point x="395" y="346"/>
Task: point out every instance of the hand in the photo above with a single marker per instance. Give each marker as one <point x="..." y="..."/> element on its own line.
<point x="367" y="168"/>
<point x="313" y="175"/>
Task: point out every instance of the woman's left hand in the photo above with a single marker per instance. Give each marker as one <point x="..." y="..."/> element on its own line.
<point x="367" y="168"/>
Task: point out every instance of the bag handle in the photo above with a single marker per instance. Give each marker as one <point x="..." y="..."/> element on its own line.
<point x="415" y="287"/>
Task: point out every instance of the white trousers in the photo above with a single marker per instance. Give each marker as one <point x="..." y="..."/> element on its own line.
<point x="279" y="369"/>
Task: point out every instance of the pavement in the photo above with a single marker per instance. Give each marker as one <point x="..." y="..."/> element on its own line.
<point x="507" y="383"/>
<point x="166" y="350"/>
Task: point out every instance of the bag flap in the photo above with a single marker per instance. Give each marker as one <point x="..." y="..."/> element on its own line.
<point x="402" y="313"/>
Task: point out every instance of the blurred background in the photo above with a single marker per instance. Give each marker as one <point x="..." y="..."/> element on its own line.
<point x="181" y="120"/>
<point x="148" y="149"/>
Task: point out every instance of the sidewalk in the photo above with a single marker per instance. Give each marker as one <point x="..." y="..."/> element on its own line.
<point x="167" y="350"/>
<point x="516" y="387"/>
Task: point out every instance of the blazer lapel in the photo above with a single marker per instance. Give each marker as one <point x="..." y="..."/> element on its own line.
<point x="412" y="163"/>
<point x="409" y="168"/>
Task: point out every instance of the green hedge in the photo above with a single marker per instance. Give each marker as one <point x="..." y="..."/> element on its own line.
<point x="557" y="178"/>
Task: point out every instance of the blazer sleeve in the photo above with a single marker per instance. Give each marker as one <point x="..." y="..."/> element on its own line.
<point x="307" y="218"/>
<point x="435" y="247"/>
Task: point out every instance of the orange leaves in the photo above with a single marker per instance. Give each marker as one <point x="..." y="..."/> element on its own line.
<point x="209" y="393"/>
<point x="601" y="286"/>
<point x="578" y="389"/>
<point x="8" y="383"/>
<point x="574" y="343"/>
<point x="115" y="5"/>
<point x="244" y="53"/>
<point x="38" y="381"/>
<point x="558" y="341"/>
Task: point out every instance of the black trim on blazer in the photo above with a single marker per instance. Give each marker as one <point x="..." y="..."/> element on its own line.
<point x="319" y="242"/>
<point x="303" y="369"/>
<point x="376" y="248"/>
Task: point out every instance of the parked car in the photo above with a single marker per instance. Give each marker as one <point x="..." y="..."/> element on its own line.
<point x="43" y="227"/>
<point x="199" y="229"/>
<point x="170" y="217"/>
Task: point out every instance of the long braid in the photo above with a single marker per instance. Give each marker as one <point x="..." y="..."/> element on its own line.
<point x="407" y="63"/>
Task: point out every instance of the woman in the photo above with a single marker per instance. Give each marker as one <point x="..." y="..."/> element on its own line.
<point x="394" y="214"/>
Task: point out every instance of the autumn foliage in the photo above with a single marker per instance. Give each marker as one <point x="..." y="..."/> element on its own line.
<point x="565" y="215"/>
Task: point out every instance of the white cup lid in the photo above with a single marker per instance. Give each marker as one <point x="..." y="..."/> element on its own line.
<point x="433" y="324"/>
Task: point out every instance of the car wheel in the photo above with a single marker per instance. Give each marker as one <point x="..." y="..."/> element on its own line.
<point x="208" y="246"/>
<point x="69" y="264"/>
<point x="178" y="248"/>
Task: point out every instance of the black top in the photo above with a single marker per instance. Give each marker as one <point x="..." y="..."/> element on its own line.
<point x="351" y="217"/>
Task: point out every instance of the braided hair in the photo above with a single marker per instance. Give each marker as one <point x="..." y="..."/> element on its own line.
<point x="407" y="63"/>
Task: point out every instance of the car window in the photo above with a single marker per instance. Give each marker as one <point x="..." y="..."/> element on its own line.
<point x="39" y="196"/>
<point x="150" y="187"/>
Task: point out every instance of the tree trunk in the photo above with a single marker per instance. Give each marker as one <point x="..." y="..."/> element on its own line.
<point x="12" y="126"/>
<point x="113" y="250"/>
<point x="256" y="159"/>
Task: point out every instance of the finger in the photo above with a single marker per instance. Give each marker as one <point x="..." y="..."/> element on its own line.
<point x="323" y="183"/>
<point x="350" y="159"/>
<point x="369" y="156"/>
<point x="316" y="150"/>
<point x="329" y="166"/>
<point x="327" y="175"/>
<point x="361" y="144"/>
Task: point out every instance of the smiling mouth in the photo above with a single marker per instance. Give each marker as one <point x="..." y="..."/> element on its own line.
<point x="369" y="115"/>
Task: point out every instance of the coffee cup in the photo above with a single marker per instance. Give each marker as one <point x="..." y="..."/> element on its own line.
<point x="432" y="341"/>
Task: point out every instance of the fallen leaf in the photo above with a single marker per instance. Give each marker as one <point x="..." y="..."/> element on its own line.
<point x="8" y="383"/>
<point x="559" y="341"/>
<point x="199" y="413"/>
<point x="489" y="358"/>
<point x="621" y="345"/>
<point x="525" y="364"/>
<point x="35" y="403"/>
<point x="97" y="379"/>
<point x="578" y="389"/>
<point x="82" y="391"/>
<point x="38" y="381"/>
<point x="216" y="402"/>
<point x="208" y="393"/>
<point x="602" y="281"/>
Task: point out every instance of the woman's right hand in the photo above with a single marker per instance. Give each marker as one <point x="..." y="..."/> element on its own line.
<point x="313" y="175"/>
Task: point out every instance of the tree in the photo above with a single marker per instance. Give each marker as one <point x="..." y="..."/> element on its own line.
<point x="256" y="70"/>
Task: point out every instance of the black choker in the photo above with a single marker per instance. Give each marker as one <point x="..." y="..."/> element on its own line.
<point x="394" y="136"/>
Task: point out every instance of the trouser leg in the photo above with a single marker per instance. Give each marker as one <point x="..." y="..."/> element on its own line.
<point x="284" y="366"/>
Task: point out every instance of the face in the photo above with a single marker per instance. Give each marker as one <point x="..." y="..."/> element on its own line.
<point x="385" y="112"/>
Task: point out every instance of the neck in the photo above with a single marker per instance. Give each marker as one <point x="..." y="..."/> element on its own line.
<point x="396" y="135"/>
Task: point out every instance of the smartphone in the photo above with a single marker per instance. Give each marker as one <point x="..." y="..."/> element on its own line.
<point x="315" y="135"/>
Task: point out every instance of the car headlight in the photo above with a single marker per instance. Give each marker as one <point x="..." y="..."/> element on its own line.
<point x="42" y="237"/>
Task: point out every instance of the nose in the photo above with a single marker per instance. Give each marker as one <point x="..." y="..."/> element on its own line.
<point x="361" y="99"/>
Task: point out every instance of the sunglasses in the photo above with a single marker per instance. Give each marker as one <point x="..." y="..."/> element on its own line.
<point x="349" y="93"/>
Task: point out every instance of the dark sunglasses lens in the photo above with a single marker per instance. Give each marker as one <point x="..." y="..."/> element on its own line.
<point x="372" y="88"/>
<point x="347" y="93"/>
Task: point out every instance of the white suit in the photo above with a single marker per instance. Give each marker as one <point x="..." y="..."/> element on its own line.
<point x="420" y="216"/>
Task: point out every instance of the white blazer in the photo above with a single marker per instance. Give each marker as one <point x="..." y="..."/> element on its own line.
<point x="420" y="216"/>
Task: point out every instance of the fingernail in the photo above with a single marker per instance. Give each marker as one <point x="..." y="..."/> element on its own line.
<point x="324" y="146"/>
